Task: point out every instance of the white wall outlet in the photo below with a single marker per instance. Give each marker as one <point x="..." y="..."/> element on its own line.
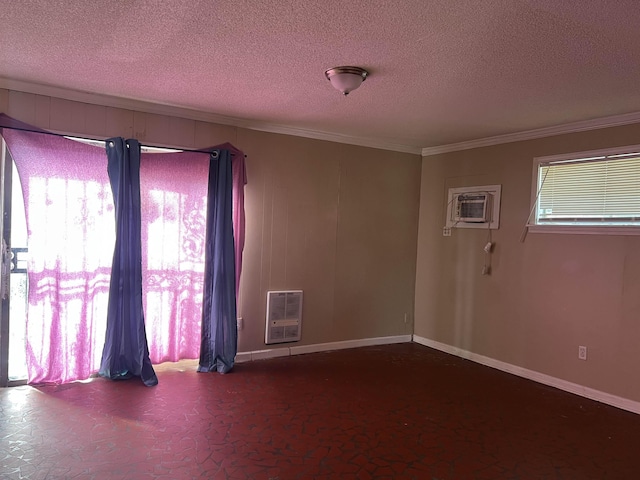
<point x="582" y="352"/>
<point x="446" y="231"/>
<point x="240" y="323"/>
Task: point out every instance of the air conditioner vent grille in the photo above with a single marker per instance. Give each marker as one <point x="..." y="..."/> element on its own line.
<point x="472" y="207"/>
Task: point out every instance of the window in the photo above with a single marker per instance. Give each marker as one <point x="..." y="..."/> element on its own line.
<point x="589" y="192"/>
<point x="53" y="319"/>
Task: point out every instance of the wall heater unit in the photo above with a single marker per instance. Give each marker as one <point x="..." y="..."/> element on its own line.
<point x="284" y="316"/>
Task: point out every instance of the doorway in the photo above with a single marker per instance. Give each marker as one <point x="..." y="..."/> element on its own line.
<point x="14" y="282"/>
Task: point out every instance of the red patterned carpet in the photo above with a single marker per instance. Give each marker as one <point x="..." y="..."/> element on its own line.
<point x="391" y="412"/>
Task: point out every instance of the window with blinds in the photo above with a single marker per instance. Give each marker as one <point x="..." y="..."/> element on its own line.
<point x="595" y="190"/>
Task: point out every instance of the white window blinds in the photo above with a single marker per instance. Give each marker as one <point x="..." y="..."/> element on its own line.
<point x="590" y="191"/>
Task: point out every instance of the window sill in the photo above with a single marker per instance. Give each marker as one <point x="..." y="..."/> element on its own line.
<point x="585" y="229"/>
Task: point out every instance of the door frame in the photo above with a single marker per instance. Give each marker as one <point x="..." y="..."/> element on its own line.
<point x="5" y="278"/>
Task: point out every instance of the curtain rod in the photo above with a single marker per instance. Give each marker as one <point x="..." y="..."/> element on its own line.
<point x="101" y="140"/>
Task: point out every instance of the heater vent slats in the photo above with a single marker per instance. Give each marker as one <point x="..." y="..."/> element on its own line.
<point x="284" y="316"/>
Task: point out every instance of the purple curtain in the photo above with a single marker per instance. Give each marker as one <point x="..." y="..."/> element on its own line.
<point x="125" y="350"/>
<point x="219" y="329"/>
<point x="69" y="210"/>
<point x="239" y="181"/>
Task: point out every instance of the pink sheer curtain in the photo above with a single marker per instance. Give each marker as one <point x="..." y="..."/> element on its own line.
<point x="239" y="181"/>
<point x="69" y="209"/>
<point x="174" y="205"/>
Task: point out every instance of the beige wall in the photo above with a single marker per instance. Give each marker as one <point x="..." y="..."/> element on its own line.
<point x="337" y="221"/>
<point x="545" y="296"/>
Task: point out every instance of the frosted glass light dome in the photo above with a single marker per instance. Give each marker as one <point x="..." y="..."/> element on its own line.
<point x="346" y="79"/>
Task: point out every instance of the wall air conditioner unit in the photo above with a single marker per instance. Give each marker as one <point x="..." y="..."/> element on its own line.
<point x="284" y="316"/>
<point x="475" y="206"/>
<point x="472" y="207"/>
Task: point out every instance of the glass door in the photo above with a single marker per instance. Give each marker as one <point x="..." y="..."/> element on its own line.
<point x="13" y="278"/>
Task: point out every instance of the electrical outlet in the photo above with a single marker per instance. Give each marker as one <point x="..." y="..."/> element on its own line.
<point x="240" y="323"/>
<point x="446" y="231"/>
<point x="582" y="352"/>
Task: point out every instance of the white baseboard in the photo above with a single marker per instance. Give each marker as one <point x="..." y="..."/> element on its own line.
<point x="269" y="353"/>
<point x="242" y="357"/>
<point x="603" y="397"/>
<point x="286" y="351"/>
<point x="364" y="342"/>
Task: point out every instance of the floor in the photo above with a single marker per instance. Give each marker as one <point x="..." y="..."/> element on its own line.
<point x="391" y="412"/>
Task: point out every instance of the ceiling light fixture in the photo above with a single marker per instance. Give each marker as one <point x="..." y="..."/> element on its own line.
<point x="346" y="79"/>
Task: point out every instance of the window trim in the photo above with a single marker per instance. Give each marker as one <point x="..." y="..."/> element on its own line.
<point x="605" y="229"/>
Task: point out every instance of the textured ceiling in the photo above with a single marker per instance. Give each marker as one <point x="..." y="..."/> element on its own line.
<point x="441" y="71"/>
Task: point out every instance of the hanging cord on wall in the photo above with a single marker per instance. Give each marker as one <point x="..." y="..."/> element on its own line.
<point x="525" y="229"/>
<point x="446" y="210"/>
<point x="488" y="250"/>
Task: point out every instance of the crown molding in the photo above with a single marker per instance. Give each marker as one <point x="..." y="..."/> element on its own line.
<point x="330" y="137"/>
<point x="192" y="114"/>
<point x="575" y="127"/>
